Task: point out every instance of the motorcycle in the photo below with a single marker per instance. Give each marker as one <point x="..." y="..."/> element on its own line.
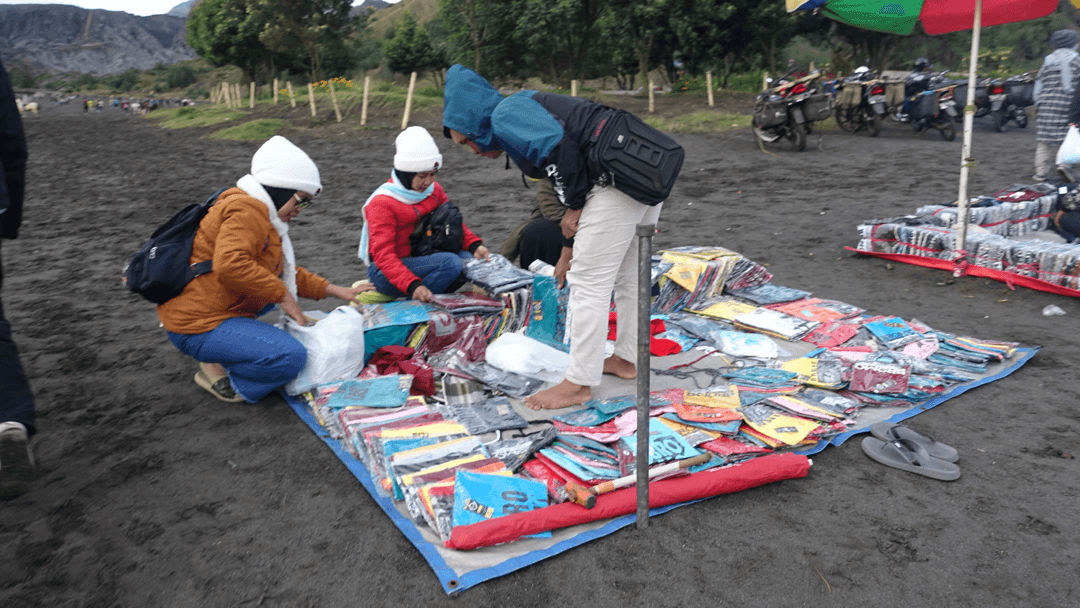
<point x="788" y="110"/>
<point x="860" y="104"/>
<point x="930" y="103"/>
<point x="1019" y="94"/>
<point x="1002" y="100"/>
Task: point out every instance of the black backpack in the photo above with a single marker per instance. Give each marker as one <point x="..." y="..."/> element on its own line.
<point x="643" y="162"/>
<point x="440" y="230"/>
<point x="161" y="268"/>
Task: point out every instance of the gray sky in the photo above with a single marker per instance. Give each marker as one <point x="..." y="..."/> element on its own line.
<point x="135" y="7"/>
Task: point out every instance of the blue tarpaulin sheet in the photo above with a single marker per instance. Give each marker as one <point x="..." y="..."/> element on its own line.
<point x="460" y="570"/>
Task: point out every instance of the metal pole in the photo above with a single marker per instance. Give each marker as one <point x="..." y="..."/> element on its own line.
<point x="644" y="233"/>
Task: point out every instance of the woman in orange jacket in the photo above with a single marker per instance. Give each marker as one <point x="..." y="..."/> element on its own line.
<point x="246" y="235"/>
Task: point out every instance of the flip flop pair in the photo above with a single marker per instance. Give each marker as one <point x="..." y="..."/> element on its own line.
<point x="908" y="450"/>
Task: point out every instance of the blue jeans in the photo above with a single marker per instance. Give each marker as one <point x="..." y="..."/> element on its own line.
<point x="437" y="272"/>
<point x="258" y="357"/>
<point x="16" y="401"/>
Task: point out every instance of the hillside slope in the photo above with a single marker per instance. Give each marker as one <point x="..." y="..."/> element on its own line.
<point x="63" y="38"/>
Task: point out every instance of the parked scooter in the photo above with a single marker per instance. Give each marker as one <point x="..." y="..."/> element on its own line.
<point x="1016" y="95"/>
<point x="929" y="101"/>
<point x="787" y="110"/>
<point x="860" y="104"/>
<point x="1003" y="100"/>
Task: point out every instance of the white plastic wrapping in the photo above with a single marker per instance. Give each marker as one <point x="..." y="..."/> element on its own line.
<point x="335" y="348"/>
<point x="521" y="354"/>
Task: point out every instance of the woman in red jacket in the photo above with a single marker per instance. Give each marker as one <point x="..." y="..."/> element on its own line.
<point x="391" y="214"/>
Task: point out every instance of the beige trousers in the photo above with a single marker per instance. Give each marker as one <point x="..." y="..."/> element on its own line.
<point x="605" y="260"/>
<point x="1046" y="160"/>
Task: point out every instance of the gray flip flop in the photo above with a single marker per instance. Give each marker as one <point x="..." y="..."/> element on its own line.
<point x="909" y="457"/>
<point x="888" y="431"/>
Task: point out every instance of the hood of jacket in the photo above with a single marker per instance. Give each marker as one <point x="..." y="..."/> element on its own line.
<point x="468" y="102"/>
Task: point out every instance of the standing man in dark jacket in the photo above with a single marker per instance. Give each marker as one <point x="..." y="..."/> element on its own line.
<point x="16" y="402"/>
<point x="551" y="136"/>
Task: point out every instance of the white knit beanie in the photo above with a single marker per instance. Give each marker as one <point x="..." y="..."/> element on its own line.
<point x="416" y="151"/>
<point x="280" y="164"/>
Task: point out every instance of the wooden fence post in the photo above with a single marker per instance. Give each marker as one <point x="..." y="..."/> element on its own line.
<point x="239" y="95"/>
<point x="408" y="101"/>
<point x="573" y="88"/>
<point x="311" y="98"/>
<point x="275" y="91"/>
<point x="765" y="81"/>
<point x="333" y="101"/>
<point x="292" y="94"/>
<point x="251" y="95"/>
<point x="363" y="105"/>
<point x="225" y="94"/>
<point x="708" y="85"/>
<point x="652" y="106"/>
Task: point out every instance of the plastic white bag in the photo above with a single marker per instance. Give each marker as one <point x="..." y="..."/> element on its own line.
<point x="1069" y="152"/>
<point x="740" y="344"/>
<point x="335" y="348"/>
<point x="521" y="354"/>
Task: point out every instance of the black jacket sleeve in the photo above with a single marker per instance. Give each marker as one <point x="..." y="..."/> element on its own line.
<point x="1074" y="107"/>
<point x="12" y="160"/>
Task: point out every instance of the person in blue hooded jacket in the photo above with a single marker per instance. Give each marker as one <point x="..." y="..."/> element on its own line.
<point x="550" y="136"/>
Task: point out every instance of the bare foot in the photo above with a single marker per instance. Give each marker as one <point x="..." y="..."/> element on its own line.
<point x="563" y="394"/>
<point x="617" y="366"/>
<point x="213" y="371"/>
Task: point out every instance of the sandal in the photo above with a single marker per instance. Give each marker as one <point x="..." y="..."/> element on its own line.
<point x="221" y="388"/>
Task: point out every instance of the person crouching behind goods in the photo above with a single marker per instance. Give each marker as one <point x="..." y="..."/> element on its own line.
<point x="391" y="214"/>
<point x="246" y="234"/>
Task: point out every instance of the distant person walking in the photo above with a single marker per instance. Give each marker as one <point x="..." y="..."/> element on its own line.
<point x="1055" y="85"/>
<point x="16" y="401"/>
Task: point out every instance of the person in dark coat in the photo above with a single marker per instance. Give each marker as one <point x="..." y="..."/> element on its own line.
<point x="16" y="401"/>
<point x="551" y="136"/>
<point x="540" y="237"/>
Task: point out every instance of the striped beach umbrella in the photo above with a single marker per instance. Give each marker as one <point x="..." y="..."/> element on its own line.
<point x="936" y="17"/>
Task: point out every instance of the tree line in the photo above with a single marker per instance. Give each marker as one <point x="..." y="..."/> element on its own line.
<point x="562" y="40"/>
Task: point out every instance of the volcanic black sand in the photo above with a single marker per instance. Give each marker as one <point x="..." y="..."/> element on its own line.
<point x="151" y="493"/>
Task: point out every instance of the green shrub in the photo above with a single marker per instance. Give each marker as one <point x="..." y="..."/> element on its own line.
<point x="20" y="78"/>
<point x="124" y="81"/>
<point x="746" y="82"/>
<point x="179" y="76"/>
<point x="689" y="84"/>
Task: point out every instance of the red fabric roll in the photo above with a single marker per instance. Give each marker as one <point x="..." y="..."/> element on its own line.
<point x="712" y="482"/>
